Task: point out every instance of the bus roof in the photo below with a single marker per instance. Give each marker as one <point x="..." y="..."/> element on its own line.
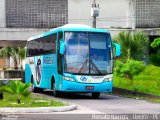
<point x="69" y="27"/>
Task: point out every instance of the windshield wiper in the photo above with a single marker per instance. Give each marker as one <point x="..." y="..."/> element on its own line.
<point x="84" y="64"/>
<point x="94" y="65"/>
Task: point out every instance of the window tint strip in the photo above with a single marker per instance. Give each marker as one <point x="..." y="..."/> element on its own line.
<point x="41" y="46"/>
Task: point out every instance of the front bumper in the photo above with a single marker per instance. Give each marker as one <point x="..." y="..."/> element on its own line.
<point x="70" y="86"/>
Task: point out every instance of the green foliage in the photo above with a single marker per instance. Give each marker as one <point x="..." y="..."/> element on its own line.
<point x="18" y="89"/>
<point x="129" y="69"/>
<point x="118" y="66"/>
<point x="148" y="81"/>
<point x="140" y="44"/>
<point x="155" y="58"/>
<point x="5" y="52"/>
<point x="124" y="39"/>
<point x="133" y="45"/>
<point x="14" y="52"/>
<point x="21" y="53"/>
<point x="151" y="70"/>
<point x="156" y="43"/>
<point x="158" y="54"/>
<point x="33" y="100"/>
<point x="2" y="84"/>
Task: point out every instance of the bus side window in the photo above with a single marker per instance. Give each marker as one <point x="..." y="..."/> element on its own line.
<point x="31" y="49"/>
<point x="53" y="43"/>
<point x="36" y="47"/>
<point x="59" y="57"/>
<point x="28" y="49"/>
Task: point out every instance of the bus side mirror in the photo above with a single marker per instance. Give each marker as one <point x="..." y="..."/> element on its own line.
<point x="62" y="47"/>
<point x="117" y="49"/>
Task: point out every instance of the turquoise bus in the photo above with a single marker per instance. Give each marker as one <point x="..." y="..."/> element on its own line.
<point x="71" y="58"/>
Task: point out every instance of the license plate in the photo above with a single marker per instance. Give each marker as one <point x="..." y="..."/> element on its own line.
<point x="89" y="87"/>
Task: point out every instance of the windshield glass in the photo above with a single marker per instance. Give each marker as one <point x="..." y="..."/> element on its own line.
<point x="88" y="53"/>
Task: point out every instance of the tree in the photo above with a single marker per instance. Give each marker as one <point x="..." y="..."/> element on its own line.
<point x="18" y="89"/>
<point x="156" y="43"/>
<point x="133" y="45"/>
<point x="124" y="39"/>
<point x="21" y="54"/>
<point x="155" y="58"/>
<point x="140" y="45"/>
<point x="6" y="53"/>
<point x="15" y="53"/>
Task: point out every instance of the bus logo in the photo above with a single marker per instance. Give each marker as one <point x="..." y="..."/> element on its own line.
<point x="84" y="79"/>
<point x="48" y="60"/>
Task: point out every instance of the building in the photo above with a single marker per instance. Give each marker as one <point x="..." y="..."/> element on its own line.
<point x="21" y="19"/>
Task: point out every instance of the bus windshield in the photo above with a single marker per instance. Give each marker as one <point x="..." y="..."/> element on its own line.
<point x="88" y="53"/>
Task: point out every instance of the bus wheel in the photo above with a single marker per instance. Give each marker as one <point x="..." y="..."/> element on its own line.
<point x="55" y="92"/>
<point x="33" y="88"/>
<point x="95" y="94"/>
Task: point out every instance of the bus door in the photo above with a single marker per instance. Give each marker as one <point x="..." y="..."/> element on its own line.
<point x="59" y="61"/>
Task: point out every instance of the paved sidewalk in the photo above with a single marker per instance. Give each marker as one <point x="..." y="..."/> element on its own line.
<point x="38" y="109"/>
<point x="80" y="110"/>
<point x="10" y="79"/>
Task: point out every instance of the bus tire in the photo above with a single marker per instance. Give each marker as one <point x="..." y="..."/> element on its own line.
<point x="34" y="89"/>
<point x="96" y="94"/>
<point x="55" y="92"/>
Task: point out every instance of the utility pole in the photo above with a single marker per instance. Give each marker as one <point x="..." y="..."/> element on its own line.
<point x="94" y="13"/>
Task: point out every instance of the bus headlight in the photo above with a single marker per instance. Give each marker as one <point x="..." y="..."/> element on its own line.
<point x="108" y="79"/>
<point x="68" y="78"/>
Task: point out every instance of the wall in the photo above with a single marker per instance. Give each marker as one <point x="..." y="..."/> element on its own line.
<point x="148" y="13"/>
<point x="19" y="33"/>
<point x="2" y="14"/>
<point x="113" y="13"/>
<point x="36" y="13"/>
<point x="2" y="63"/>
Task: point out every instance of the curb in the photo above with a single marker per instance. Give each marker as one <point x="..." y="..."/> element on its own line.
<point x="38" y="109"/>
<point x="122" y="91"/>
<point x="10" y="79"/>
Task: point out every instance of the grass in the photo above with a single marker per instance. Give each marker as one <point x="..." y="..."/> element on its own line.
<point x="32" y="101"/>
<point x="147" y="82"/>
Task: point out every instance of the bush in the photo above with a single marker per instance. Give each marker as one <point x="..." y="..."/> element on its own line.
<point x="148" y="81"/>
<point x="18" y="89"/>
<point x="129" y="69"/>
<point x="156" y="43"/>
<point x="155" y="58"/>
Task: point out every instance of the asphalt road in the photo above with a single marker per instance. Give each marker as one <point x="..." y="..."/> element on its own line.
<point x="108" y="104"/>
<point x="88" y="108"/>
